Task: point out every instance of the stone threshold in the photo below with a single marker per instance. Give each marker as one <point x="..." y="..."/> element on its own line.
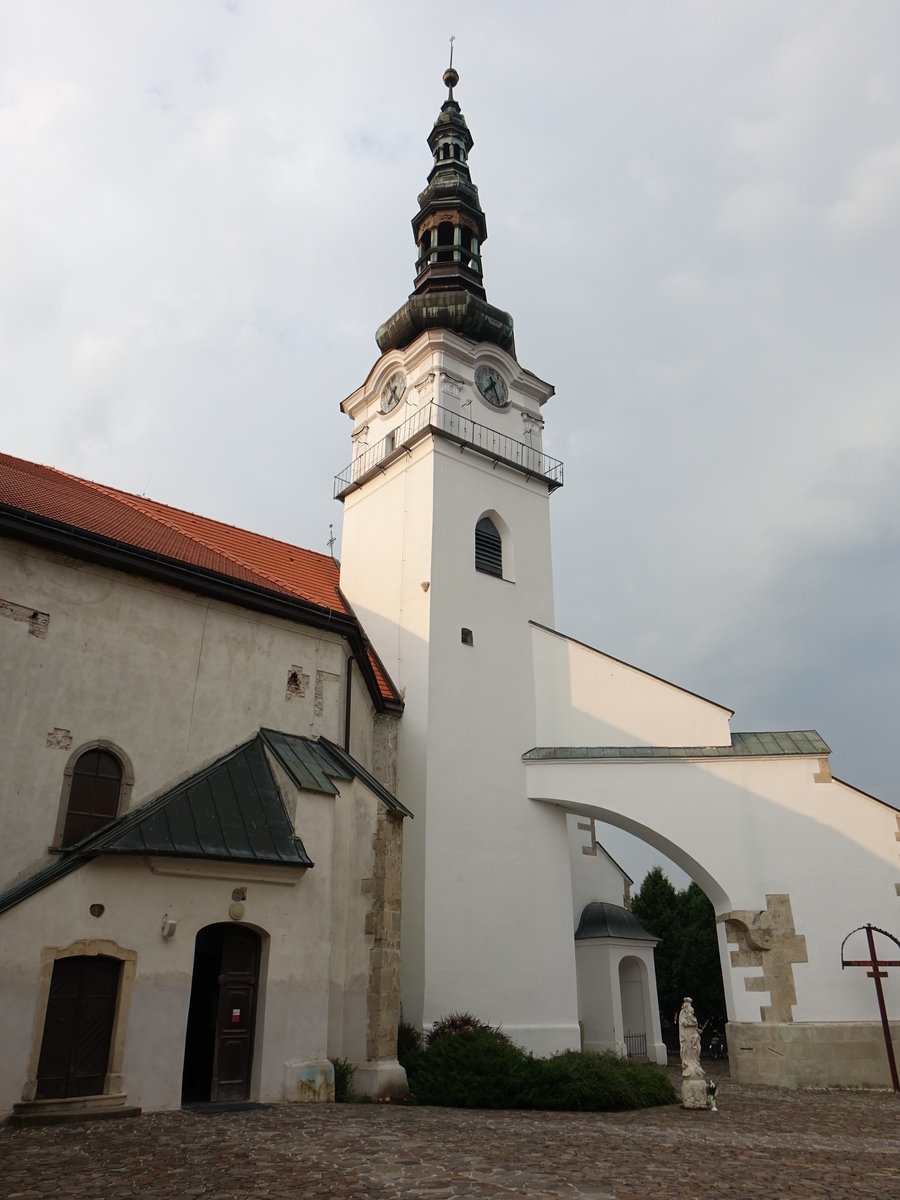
<point x="71" y="1109"/>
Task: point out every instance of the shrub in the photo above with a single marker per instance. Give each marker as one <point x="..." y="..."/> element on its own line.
<point x="584" y="1081"/>
<point x="470" y="1064"/>
<point x="464" y="1023"/>
<point x="409" y="1041"/>
<point x="472" y="1068"/>
<point x="343" y="1080"/>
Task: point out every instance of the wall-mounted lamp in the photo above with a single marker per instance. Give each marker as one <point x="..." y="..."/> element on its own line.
<point x="168" y="927"/>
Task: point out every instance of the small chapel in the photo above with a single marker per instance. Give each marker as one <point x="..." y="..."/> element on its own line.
<point x="259" y="803"/>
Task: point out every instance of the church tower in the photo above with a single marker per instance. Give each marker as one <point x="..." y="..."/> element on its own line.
<point x="446" y="561"/>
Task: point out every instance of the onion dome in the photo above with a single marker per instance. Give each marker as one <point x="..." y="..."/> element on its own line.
<point x="449" y="230"/>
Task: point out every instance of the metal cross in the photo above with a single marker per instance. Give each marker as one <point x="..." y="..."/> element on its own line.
<point x="874" y="962"/>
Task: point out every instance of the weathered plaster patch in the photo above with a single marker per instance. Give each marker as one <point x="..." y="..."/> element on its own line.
<point x="768" y="939"/>
<point x="384" y="752"/>
<point x="323" y="678"/>
<point x="297" y="684"/>
<point x="59" y="739"/>
<point x="38" y="622"/>
<point x="383" y="922"/>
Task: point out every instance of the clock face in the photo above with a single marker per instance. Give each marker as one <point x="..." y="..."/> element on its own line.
<point x="492" y="386"/>
<point x="392" y="392"/>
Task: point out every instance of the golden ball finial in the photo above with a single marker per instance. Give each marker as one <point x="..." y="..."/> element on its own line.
<point x="451" y="78"/>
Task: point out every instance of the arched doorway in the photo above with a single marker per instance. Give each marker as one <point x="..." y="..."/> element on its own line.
<point x="633" y="994"/>
<point x="218" y="1050"/>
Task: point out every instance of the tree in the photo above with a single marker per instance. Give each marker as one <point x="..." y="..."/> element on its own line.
<point x="687" y="957"/>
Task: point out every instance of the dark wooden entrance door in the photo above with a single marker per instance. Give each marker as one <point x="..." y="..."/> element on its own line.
<point x="218" y="1054"/>
<point x="234" y="1019"/>
<point x="81" y="1010"/>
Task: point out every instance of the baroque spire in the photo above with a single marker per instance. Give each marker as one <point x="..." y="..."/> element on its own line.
<point x="449" y="230"/>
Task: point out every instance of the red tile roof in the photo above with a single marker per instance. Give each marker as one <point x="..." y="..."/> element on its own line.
<point x="137" y="523"/>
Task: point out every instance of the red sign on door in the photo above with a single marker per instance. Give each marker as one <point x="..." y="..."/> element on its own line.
<point x="235" y="1016"/>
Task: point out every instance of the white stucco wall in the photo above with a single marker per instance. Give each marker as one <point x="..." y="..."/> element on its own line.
<point x="587" y="698"/>
<point x="171" y="678"/>
<point x="750" y="827"/>
<point x="595" y="875"/>
<point x="174" y="681"/>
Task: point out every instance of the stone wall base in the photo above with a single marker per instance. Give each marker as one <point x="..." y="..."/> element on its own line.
<point x="811" y="1054"/>
<point x="308" y="1082"/>
<point x="382" y="1080"/>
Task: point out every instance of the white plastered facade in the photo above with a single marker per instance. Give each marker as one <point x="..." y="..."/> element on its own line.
<point x="172" y="680"/>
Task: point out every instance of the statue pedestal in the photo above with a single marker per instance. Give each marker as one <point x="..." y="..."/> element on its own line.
<point x="693" y="1093"/>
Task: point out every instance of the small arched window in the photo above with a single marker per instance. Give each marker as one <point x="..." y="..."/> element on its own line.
<point x="488" y="548"/>
<point x="94" y="794"/>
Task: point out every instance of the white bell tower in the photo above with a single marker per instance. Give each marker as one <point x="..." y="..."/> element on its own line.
<point x="446" y="561"/>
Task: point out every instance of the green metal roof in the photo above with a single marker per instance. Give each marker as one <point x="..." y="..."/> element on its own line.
<point x="313" y="764"/>
<point x="230" y="811"/>
<point x="602" y="920"/>
<point x="743" y="745"/>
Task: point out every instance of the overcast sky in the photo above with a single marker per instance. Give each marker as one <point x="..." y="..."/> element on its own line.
<point x="694" y="217"/>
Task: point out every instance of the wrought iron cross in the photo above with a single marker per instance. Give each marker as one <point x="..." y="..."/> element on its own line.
<point x="875" y="963"/>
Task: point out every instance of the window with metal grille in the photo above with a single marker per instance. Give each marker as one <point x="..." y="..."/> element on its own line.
<point x="93" y="796"/>
<point x="488" y="548"/>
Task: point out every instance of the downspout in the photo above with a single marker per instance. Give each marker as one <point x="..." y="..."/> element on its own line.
<point x="350" y="661"/>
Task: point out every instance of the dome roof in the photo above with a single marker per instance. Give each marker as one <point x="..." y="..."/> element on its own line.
<point x="602" y="920"/>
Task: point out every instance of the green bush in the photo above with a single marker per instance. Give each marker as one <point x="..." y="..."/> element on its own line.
<point x="409" y="1041"/>
<point x="469" y="1064"/>
<point x="343" y="1080"/>
<point x="579" y="1081"/>
<point x="472" y="1068"/>
<point x="464" y="1023"/>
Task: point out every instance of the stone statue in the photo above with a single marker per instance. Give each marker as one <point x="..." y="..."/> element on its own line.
<point x="693" y="1088"/>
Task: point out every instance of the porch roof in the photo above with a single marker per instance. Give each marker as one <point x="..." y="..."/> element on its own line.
<point x="743" y="745"/>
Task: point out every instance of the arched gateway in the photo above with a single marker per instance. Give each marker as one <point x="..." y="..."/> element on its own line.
<point x="790" y="857"/>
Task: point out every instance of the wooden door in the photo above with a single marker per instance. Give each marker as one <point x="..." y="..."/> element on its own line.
<point x="81" y="1011"/>
<point x="235" y="1013"/>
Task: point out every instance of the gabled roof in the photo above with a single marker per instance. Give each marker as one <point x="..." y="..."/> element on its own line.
<point x="743" y="745"/>
<point x="313" y="764"/>
<point x="231" y="810"/>
<point x="147" y="534"/>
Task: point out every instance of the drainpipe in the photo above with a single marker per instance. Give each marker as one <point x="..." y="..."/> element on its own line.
<point x="350" y="661"/>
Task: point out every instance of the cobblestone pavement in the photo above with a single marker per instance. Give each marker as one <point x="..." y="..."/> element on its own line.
<point x="762" y="1143"/>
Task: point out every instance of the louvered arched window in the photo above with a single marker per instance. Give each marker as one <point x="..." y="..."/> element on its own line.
<point x="488" y="548"/>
